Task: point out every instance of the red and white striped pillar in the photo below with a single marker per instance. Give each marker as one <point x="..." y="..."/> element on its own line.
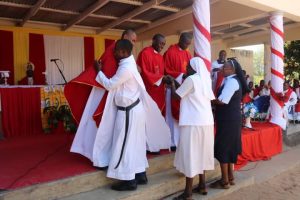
<point x="277" y="74"/>
<point x="202" y="38"/>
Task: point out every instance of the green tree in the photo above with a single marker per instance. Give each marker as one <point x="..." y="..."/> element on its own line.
<point x="292" y="59"/>
<point x="258" y="64"/>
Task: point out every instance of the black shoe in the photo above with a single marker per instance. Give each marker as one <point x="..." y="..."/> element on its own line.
<point x="3" y="190"/>
<point x="102" y="168"/>
<point x="125" y="186"/>
<point x="173" y="148"/>
<point x="153" y="153"/>
<point x="141" y="178"/>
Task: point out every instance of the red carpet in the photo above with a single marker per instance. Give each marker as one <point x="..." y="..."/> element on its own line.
<point x="31" y="160"/>
<point x="28" y="160"/>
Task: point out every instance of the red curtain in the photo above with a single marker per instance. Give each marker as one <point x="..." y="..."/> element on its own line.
<point x="37" y="57"/>
<point x="89" y="52"/>
<point x="21" y="111"/>
<point x="7" y="54"/>
<point x="108" y="42"/>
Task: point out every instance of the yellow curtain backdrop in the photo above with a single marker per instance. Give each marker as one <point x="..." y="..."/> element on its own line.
<point x="21" y="53"/>
<point x="21" y="45"/>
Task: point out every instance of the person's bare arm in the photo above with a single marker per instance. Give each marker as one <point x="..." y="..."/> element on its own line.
<point x="217" y="102"/>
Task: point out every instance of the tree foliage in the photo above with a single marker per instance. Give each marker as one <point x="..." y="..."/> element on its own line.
<point x="292" y="59"/>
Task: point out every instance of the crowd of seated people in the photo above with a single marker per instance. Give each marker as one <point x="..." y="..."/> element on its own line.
<point x="260" y="97"/>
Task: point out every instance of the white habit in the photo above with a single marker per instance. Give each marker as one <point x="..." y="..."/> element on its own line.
<point x="195" y="152"/>
<point x="146" y="124"/>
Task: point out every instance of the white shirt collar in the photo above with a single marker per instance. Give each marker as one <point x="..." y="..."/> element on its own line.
<point x="228" y="77"/>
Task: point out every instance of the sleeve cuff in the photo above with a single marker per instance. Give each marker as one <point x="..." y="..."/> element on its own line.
<point x="179" y="78"/>
<point x="99" y="77"/>
<point x="225" y="101"/>
<point x="157" y="83"/>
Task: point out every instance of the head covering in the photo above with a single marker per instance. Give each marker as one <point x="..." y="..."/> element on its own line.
<point x="199" y="66"/>
<point x="240" y="75"/>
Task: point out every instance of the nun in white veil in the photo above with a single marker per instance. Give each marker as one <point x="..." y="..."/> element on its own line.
<point x="195" y="152"/>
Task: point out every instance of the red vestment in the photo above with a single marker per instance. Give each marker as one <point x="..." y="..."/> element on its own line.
<point x="77" y="91"/>
<point x="287" y="95"/>
<point x="257" y="91"/>
<point x="152" y="66"/>
<point x="219" y="81"/>
<point x="176" y="61"/>
<point x="247" y="98"/>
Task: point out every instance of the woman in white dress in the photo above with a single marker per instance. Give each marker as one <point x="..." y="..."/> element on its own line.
<point x="195" y="152"/>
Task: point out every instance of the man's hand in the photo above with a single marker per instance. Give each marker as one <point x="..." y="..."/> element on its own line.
<point x="97" y="66"/>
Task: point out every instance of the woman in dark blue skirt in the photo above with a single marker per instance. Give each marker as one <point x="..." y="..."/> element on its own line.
<point x="229" y="121"/>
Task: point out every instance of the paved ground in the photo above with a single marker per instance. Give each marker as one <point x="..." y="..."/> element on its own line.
<point x="285" y="186"/>
<point x="276" y="179"/>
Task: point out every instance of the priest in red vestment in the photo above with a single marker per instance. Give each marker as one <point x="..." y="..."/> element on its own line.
<point x="176" y="60"/>
<point x="151" y="63"/>
<point x="87" y="99"/>
<point x="83" y="84"/>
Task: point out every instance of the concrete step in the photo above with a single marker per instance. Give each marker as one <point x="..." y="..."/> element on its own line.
<point x="240" y="180"/>
<point x="291" y="136"/>
<point x="159" y="186"/>
<point x="80" y="183"/>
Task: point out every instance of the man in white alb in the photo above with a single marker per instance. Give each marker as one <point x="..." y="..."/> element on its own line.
<point x="130" y="120"/>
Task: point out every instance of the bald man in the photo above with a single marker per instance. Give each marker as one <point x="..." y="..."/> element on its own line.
<point x="176" y="60"/>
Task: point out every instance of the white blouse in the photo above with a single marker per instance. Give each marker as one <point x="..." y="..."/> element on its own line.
<point x="231" y="85"/>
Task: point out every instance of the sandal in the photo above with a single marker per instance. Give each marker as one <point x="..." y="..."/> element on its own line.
<point x="183" y="196"/>
<point x="219" y="184"/>
<point x="200" y="190"/>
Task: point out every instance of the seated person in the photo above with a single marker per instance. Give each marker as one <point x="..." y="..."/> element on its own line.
<point x="29" y="73"/>
<point x="262" y="100"/>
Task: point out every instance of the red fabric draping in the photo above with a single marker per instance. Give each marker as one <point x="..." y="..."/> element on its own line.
<point x="108" y="43"/>
<point x="89" y="51"/>
<point x="7" y="54"/>
<point x="77" y="91"/>
<point x="261" y="144"/>
<point x="23" y="81"/>
<point x="21" y="111"/>
<point x="37" y="57"/>
<point x="297" y="107"/>
<point x="81" y="86"/>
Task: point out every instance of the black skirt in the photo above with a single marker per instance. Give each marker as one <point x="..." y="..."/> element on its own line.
<point x="228" y="144"/>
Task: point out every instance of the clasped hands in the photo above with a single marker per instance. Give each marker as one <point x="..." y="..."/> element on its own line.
<point x="168" y="80"/>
